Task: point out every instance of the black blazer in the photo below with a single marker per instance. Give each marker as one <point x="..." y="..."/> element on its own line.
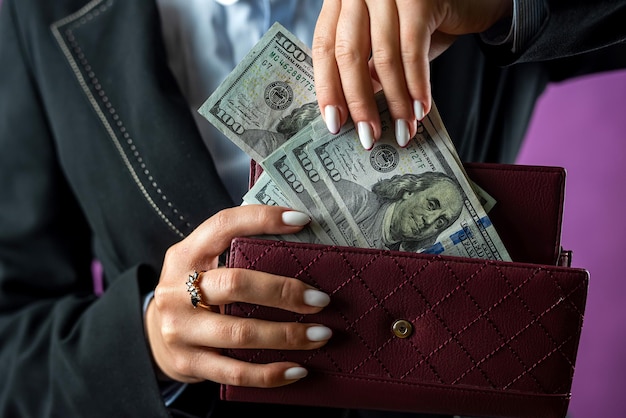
<point x="100" y="158"/>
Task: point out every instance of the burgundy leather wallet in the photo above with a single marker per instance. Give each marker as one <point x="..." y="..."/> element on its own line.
<point x="436" y="334"/>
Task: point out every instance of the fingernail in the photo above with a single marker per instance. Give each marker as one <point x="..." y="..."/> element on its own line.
<point x="295" y="373"/>
<point x="294" y="218"/>
<point x="318" y="333"/>
<point x="366" y="135"/>
<point x="316" y="298"/>
<point x="402" y="132"/>
<point x="418" y="109"/>
<point x="332" y="118"/>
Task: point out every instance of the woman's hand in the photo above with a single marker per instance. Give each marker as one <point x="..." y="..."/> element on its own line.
<point x="360" y="46"/>
<point x="186" y="342"/>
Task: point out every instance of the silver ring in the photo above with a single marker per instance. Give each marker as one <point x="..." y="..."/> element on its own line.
<point x="194" y="291"/>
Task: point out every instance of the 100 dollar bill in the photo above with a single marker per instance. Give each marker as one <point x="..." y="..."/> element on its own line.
<point x="415" y="198"/>
<point x="267" y="107"/>
<point x="268" y="97"/>
<point x="266" y="192"/>
<point x="296" y="181"/>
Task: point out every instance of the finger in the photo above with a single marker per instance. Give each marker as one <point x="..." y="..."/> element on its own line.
<point x="352" y="50"/>
<point x="439" y="42"/>
<point x="416" y="29"/>
<point x="207" y="329"/>
<point x="328" y="87"/>
<point x="388" y="65"/>
<point x="227" y="285"/>
<point x="215" y="234"/>
<point x="211" y="365"/>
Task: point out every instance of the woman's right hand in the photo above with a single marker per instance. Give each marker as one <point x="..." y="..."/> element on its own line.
<point x="187" y="342"/>
<point x="361" y="46"/>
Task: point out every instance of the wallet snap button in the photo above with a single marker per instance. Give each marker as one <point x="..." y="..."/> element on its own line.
<point x="402" y="328"/>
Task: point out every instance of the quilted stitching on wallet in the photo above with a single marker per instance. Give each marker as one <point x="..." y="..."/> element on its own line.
<point x="476" y="322"/>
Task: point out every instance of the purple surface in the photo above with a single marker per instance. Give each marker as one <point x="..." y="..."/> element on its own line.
<point x="581" y="125"/>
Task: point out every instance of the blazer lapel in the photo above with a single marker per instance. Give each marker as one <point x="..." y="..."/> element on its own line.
<point x="115" y="51"/>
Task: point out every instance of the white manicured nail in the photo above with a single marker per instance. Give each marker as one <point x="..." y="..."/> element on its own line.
<point x="318" y="333"/>
<point x="418" y="109"/>
<point x="402" y="132"/>
<point x="316" y="298"/>
<point x="295" y="373"/>
<point x="366" y="135"/>
<point x="295" y="218"/>
<point x="332" y="118"/>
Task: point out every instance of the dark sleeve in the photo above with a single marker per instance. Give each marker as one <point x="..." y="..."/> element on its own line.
<point x="571" y="27"/>
<point x="64" y="352"/>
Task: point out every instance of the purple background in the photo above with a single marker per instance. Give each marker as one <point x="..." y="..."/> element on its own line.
<point x="580" y="125"/>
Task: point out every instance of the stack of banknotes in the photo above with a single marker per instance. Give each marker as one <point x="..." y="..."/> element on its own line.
<point x="416" y="198"/>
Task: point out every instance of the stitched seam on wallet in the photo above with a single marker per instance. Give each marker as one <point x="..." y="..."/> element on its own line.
<point x="451" y="333"/>
<point x="355" y="273"/>
<point x="506" y="343"/>
<point x="407" y="281"/>
<point x="432" y="307"/>
<point x="485" y="313"/>
<point x="250" y="262"/>
<point x="423" y="357"/>
<point x="558" y="346"/>
<point x="541" y="360"/>
<point x="536" y="318"/>
<point x="579" y="327"/>
<point x="517" y="334"/>
<point x="502" y="337"/>
<point x="533" y="314"/>
<point x="573" y="306"/>
<point x="304" y="271"/>
<point x="535" y="270"/>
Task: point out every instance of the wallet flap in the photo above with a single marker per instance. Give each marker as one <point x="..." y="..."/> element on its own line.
<point x="485" y="338"/>
<point x="529" y="207"/>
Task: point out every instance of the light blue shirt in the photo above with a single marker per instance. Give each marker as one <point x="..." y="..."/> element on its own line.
<point x="205" y="39"/>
